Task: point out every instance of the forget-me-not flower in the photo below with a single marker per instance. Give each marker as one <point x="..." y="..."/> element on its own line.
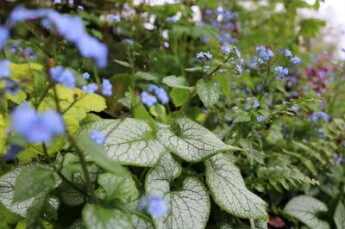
<point x="63" y="76"/>
<point x="97" y="137"/>
<point x="107" y="88"/>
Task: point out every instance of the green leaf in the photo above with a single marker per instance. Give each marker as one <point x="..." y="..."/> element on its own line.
<point x="123" y="63"/>
<point x="229" y="191"/>
<point x="196" y="69"/>
<point x="339" y="215"/>
<point x="176" y="82"/>
<point x="121" y="187"/>
<point x="189" y="207"/>
<point x="191" y="141"/>
<point x="97" y="154"/>
<point x="33" y="180"/>
<point x="97" y="217"/>
<point x="208" y="92"/>
<point x="146" y="76"/>
<point x="129" y="141"/>
<point x="179" y="96"/>
<point x="7" y="184"/>
<point x="305" y="208"/>
<point x="260" y="224"/>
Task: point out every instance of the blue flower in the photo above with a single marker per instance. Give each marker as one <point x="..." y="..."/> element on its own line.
<point x="264" y="53"/>
<point x="296" y="60"/>
<point x="86" y="75"/>
<point x="35" y="127"/>
<point x="287" y="53"/>
<point x="63" y="76"/>
<point x="155" y="205"/>
<point x="90" y="88"/>
<point x="4" y="35"/>
<point x="260" y="118"/>
<point x="128" y="41"/>
<point x="90" y="47"/>
<point x="114" y="17"/>
<point x="281" y="71"/>
<point x="166" y="44"/>
<point x="107" y="88"/>
<point x="172" y="19"/>
<point x="20" y="14"/>
<point x="70" y="27"/>
<point x="97" y="137"/>
<point x="160" y="93"/>
<point x="12" y="87"/>
<point x="12" y="152"/>
<point x="57" y="1"/>
<point x="5" y="68"/>
<point x="316" y="116"/>
<point x="29" y="53"/>
<point x="147" y="99"/>
<point x="295" y="107"/>
<point x="256" y="104"/>
<point x="203" y="55"/>
<point x="225" y="49"/>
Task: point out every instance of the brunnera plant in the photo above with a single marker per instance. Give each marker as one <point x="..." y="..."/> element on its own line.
<point x="210" y="143"/>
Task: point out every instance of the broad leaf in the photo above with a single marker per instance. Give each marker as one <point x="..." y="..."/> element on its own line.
<point x="176" y="82"/>
<point x="128" y="141"/>
<point x="32" y="180"/>
<point x="97" y="154"/>
<point x="146" y="76"/>
<point x="7" y="184"/>
<point x="179" y="96"/>
<point x="339" y="215"/>
<point x="189" y="207"/>
<point x="305" y="208"/>
<point x="208" y="92"/>
<point x="121" y="187"/>
<point x="229" y="191"/>
<point x="191" y="141"/>
<point x="97" y="217"/>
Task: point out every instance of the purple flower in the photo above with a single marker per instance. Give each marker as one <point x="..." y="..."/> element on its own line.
<point x="90" y="88"/>
<point x="97" y="137"/>
<point x="225" y="49"/>
<point x="4" y="35"/>
<point x="296" y="60"/>
<point x="147" y="99"/>
<point x="264" y="53"/>
<point x="5" y="68"/>
<point x="172" y="19"/>
<point x="63" y="76"/>
<point x="107" y="88"/>
<point x="35" y="127"/>
<point x="155" y="205"/>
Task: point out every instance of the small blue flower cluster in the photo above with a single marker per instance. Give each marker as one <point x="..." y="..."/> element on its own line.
<point x="319" y="115"/>
<point x="203" y="55"/>
<point x="225" y="21"/>
<point x="35" y="127"/>
<point x="11" y="87"/>
<point x="107" y="88"/>
<point x="149" y="99"/>
<point x="97" y="137"/>
<point x="264" y="53"/>
<point x="70" y="27"/>
<point x="63" y="75"/>
<point x="90" y="88"/>
<point x="294" y="60"/>
<point x="281" y="71"/>
<point x="172" y="19"/>
<point x="154" y="205"/>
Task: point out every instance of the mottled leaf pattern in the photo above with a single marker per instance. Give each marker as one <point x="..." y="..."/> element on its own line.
<point x="128" y="141"/>
<point x="305" y="208"/>
<point x="208" y="92"/>
<point x="229" y="191"/>
<point x="188" y="207"/>
<point x="97" y="217"/>
<point x="194" y="142"/>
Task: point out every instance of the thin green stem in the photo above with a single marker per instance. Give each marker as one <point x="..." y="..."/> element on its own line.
<point x="80" y="154"/>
